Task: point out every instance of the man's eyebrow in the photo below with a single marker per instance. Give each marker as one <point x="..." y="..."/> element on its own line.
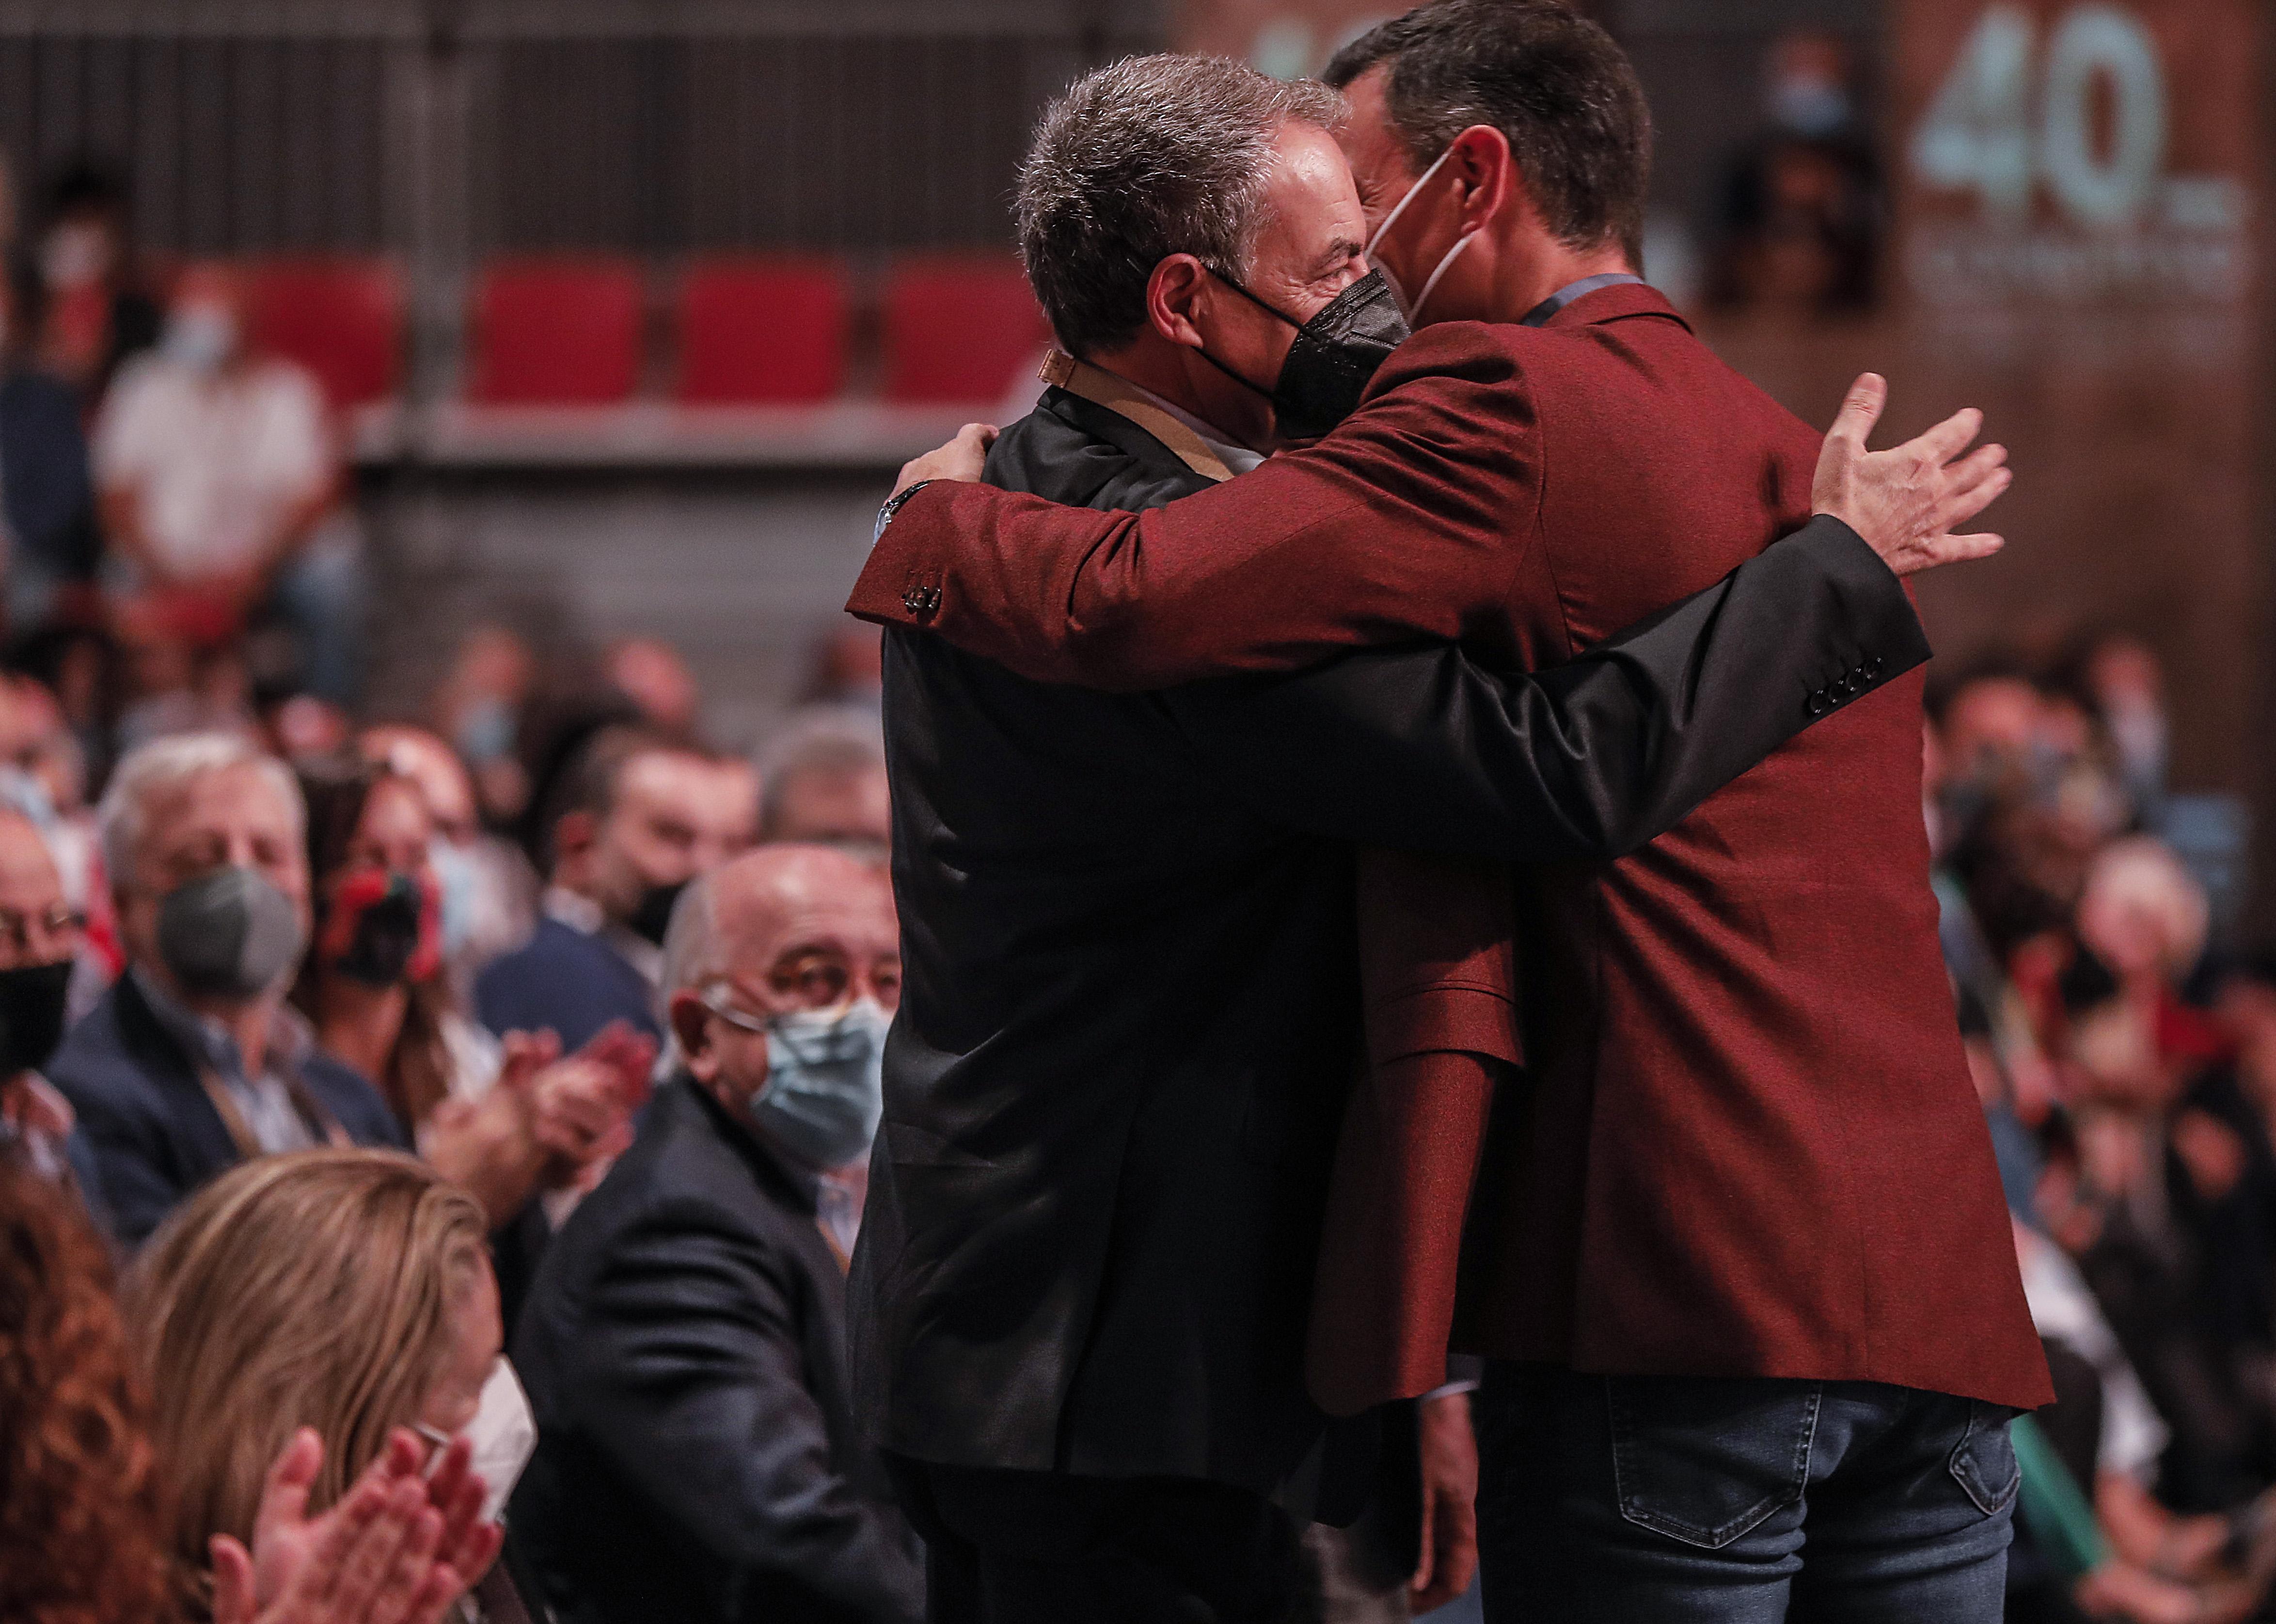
<point x="1340" y="253"/>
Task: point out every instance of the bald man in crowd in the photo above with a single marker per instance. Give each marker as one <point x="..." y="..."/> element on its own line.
<point x="684" y="1346"/>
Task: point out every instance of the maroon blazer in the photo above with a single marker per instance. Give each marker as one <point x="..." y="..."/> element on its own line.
<point x="1752" y="1147"/>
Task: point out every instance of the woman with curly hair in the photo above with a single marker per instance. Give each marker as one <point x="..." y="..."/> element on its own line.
<point x="79" y="1489"/>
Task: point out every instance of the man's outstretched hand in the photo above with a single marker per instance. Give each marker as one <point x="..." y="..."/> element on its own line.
<point x="962" y="458"/>
<point x="1907" y="501"/>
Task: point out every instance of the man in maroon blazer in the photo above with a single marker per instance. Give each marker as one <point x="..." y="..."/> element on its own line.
<point x="1739" y="1254"/>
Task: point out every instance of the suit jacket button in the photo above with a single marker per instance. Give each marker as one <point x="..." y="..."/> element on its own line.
<point x="1872" y="668"/>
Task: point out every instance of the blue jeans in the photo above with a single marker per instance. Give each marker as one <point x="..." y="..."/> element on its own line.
<point x="1676" y="1499"/>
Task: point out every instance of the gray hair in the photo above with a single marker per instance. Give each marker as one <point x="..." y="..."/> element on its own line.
<point x="164" y="765"/>
<point x="1143" y="158"/>
<point x="692" y="956"/>
<point x="829" y="740"/>
<point x="693" y="961"/>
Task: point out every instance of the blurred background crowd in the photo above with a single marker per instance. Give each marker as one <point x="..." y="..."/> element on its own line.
<point x="435" y="442"/>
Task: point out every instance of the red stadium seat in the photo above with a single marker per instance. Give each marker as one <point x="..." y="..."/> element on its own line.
<point x="959" y="328"/>
<point x="557" y="332"/>
<point x="341" y="318"/>
<point x="763" y="329"/>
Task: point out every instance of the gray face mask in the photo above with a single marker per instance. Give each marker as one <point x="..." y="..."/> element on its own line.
<point x="229" y="935"/>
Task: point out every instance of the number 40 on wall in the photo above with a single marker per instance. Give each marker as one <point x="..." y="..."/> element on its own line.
<point x="2012" y="116"/>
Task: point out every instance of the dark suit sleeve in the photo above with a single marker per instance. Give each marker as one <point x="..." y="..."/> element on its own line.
<point x="690" y="1381"/>
<point x="134" y="1175"/>
<point x="1421" y="749"/>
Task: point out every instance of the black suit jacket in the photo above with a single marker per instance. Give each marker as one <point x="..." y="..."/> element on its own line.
<point x="684" y="1348"/>
<point x="1130" y="1013"/>
<point x="152" y="1133"/>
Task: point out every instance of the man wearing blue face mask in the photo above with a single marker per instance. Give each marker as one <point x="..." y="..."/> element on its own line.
<point x="684" y="1345"/>
<point x="193" y="1062"/>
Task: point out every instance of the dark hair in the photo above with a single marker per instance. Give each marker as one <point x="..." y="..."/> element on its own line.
<point x="589" y="781"/>
<point x="1559" y="88"/>
<point x="418" y="1074"/>
<point x="82" y="185"/>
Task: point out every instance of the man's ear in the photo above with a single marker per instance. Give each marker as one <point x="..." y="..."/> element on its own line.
<point x="574" y="833"/>
<point x="1486" y="175"/>
<point x="691" y="1025"/>
<point x="1178" y="290"/>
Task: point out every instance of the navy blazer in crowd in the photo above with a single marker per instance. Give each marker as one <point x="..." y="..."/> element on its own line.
<point x="45" y="487"/>
<point x="564" y="981"/>
<point x="684" y="1348"/>
<point x="154" y="1135"/>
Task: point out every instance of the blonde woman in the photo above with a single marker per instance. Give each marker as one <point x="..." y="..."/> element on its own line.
<point x="348" y="1293"/>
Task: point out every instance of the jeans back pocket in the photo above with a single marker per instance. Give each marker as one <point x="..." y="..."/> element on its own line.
<point x="1705" y="1460"/>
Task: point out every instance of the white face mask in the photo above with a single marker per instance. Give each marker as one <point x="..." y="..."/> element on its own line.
<point x="200" y="336"/>
<point x="75" y="256"/>
<point x="503" y="1436"/>
<point x="1413" y="311"/>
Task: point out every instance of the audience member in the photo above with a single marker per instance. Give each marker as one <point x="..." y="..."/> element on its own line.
<point x="651" y="674"/>
<point x="478" y="707"/>
<point x="193" y="1061"/>
<point x="823" y="780"/>
<point x="220" y="484"/>
<point x="84" y="1495"/>
<point x="849" y="660"/>
<point x="503" y="1121"/>
<point x="489" y="890"/>
<point x="81" y="1495"/>
<point x="40" y="942"/>
<point x="346" y="1293"/>
<point x="47" y="497"/>
<point x="684" y="1344"/>
<point x="635" y="817"/>
<point x="1802" y="205"/>
<point x="97" y="311"/>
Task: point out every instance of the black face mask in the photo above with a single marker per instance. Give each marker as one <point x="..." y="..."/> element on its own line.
<point x="32" y="1000"/>
<point x="1334" y="355"/>
<point x="653" y="917"/>
<point x="386" y="936"/>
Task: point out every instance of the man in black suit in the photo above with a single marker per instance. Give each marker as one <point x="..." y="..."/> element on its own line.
<point x="193" y="1060"/>
<point x="1132" y="1016"/>
<point x="684" y="1343"/>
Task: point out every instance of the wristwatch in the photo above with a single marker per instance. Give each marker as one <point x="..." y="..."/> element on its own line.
<point x="893" y="505"/>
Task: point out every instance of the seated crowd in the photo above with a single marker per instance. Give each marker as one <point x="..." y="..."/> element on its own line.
<point x="2127" y="1061"/>
<point x="345" y="1199"/>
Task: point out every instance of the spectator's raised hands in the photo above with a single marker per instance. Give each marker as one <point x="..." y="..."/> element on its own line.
<point x="395" y="1550"/>
<point x="581" y="1107"/>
